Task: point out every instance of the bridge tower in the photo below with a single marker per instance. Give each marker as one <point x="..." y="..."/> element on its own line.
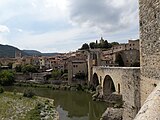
<point x="150" y="46"/>
<point x="94" y="59"/>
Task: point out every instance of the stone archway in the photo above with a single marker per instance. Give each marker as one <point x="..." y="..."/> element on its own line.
<point x="108" y="86"/>
<point x="95" y="81"/>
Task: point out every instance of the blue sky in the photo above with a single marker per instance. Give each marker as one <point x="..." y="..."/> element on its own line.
<point x="64" y="25"/>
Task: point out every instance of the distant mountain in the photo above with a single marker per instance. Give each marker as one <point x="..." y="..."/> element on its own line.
<point x="9" y="51"/>
<point x="32" y="52"/>
<point x="37" y="53"/>
<point x="49" y="54"/>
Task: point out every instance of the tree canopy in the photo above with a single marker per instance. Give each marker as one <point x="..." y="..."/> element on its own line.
<point x="56" y="74"/>
<point x="104" y="44"/>
<point x="85" y="46"/>
<point x="29" y="69"/>
<point x="6" y="77"/>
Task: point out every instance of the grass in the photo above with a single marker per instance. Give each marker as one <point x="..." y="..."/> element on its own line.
<point x="16" y="107"/>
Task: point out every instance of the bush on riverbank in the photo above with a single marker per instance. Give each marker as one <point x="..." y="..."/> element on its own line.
<point x="6" y="77"/>
<point x="1" y="89"/>
<point x="28" y="93"/>
<point x="76" y="87"/>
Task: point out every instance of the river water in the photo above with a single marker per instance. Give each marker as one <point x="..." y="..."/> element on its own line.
<point x="71" y="105"/>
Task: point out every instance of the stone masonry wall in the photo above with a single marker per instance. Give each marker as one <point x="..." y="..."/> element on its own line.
<point x="130" y="92"/>
<point x="150" y="45"/>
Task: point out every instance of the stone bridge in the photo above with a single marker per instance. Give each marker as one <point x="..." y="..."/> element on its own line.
<point x="121" y="80"/>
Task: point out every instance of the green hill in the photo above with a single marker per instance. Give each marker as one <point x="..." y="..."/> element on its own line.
<point x="37" y="53"/>
<point x="9" y="51"/>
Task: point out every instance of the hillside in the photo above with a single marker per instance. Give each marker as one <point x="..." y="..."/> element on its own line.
<point x="32" y="52"/>
<point x="37" y="53"/>
<point x="9" y="51"/>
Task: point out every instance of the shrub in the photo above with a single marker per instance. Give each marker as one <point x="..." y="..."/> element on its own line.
<point x="14" y="91"/>
<point x="6" y="77"/>
<point x="29" y="69"/>
<point x="28" y="93"/>
<point x="1" y="90"/>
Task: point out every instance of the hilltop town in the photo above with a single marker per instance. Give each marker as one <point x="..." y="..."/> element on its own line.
<point x="73" y="65"/>
<point x="124" y="76"/>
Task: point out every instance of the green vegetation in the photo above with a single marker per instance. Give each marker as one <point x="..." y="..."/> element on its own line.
<point x="28" y="93"/>
<point x="56" y="74"/>
<point x="26" y="68"/>
<point x="1" y="89"/>
<point x="104" y="44"/>
<point x="16" y="107"/>
<point x="6" y="77"/>
<point x="18" y="68"/>
<point x="85" y="46"/>
<point x="34" y="114"/>
<point x="9" y="51"/>
<point x="29" y="69"/>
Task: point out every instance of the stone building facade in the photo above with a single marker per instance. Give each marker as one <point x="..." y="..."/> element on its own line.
<point x="150" y="46"/>
<point x="129" y="53"/>
<point x="74" y="67"/>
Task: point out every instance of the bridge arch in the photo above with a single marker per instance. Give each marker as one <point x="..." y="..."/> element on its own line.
<point x="95" y="80"/>
<point x="108" y="86"/>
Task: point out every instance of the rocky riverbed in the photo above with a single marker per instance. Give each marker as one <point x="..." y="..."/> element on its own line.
<point x="16" y="107"/>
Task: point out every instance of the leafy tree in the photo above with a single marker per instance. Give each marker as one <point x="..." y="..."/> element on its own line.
<point x="29" y="69"/>
<point x="6" y="77"/>
<point x="1" y="89"/>
<point x="119" y="60"/>
<point x="28" y="93"/>
<point x="109" y="45"/>
<point x="93" y="45"/>
<point x="104" y="44"/>
<point x="10" y="65"/>
<point x="18" y="68"/>
<point x="56" y="74"/>
<point x="114" y="43"/>
<point x="85" y="46"/>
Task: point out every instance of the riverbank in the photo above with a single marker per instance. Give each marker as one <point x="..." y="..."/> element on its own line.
<point x="71" y="105"/>
<point x="13" y="106"/>
<point x="74" y="87"/>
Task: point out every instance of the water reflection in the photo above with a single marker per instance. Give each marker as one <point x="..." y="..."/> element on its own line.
<point x="71" y="105"/>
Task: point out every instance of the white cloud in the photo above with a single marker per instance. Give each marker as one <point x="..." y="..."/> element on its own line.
<point x="64" y="25"/>
<point x="19" y="30"/>
<point x="105" y="15"/>
<point x="4" y="29"/>
<point x="58" y="41"/>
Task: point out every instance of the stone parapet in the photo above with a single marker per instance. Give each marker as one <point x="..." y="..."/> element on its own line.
<point x="151" y="108"/>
